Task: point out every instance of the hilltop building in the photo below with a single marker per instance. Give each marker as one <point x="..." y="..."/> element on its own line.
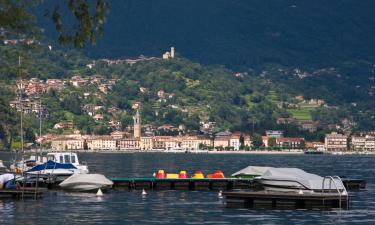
<point x="169" y="55"/>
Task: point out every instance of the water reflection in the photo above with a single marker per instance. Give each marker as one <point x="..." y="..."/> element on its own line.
<point x="189" y="207"/>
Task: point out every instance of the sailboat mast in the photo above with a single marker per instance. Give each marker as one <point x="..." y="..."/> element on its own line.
<point x="40" y="123"/>
<point x="21" y="102"/>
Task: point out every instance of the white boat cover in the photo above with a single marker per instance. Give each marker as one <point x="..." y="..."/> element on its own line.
<point x="78" y="180"/>
<point x="252" y="170"/>
<point x="309" y="180"/>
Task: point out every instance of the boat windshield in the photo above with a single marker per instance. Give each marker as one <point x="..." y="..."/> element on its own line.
<point x="67" y="158"/>
<point x="51" y="157"/>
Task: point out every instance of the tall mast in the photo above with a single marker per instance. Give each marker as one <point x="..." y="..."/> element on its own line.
<point x="40" y="123"/>
<point x="21" y="103"/>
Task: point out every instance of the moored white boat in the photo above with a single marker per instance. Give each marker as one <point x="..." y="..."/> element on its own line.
<point x="58" y="157"/>
<point x="86" y="182"/>
<point x="297" y="180"/>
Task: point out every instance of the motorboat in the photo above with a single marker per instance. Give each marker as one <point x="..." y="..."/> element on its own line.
<point x="58" y="157"/>
<point x="86" y="182"/>
<point x="68" y="158"/>
<point x="251" y="172"/>
<point x="52" y="170"/>
<point x="297" y="180"/>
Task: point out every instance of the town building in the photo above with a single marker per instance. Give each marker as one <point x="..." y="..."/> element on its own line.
<point x="190" y="143"/>
<point x="222" y="139"/>
<point x="234" y="141"/>
<point x="146" y="143"/>
<point x="128" y="144"/>
<point x="336" y="142"/>
<point x="274" y="133"/>
<point x="290" y="142"/>
<point x="169" y="55"/>
<point x="370" y="143"/>
<point x="358" y="143"/>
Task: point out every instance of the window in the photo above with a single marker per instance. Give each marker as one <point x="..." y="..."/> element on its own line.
<point x="61" y="159"/>
<point x="73" y="159"/>
<point x="67" y="158"/>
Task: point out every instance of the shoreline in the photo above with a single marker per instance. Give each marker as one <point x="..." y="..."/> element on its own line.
<point x="255" y="152"/>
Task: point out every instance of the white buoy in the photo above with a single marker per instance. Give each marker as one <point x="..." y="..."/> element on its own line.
<point x="99" y="193"/>
<point x="344" y="193"/>
<point x="300" y="192"/>
<point x="144" y="193"/>
<point x="220" y="194"/>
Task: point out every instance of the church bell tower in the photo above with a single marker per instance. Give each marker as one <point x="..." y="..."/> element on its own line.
<point x="137" y="124"/>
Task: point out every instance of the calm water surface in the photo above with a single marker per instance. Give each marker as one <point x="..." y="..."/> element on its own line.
<point x="190" y="207"/>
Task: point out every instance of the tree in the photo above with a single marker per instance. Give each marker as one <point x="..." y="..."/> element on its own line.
<point x="257" y="140"/>
<point x="72" y="103"/>
<point x="272" y="143"/>
<point x="88" y="16"/>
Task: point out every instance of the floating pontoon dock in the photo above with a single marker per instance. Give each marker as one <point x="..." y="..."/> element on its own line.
<point x="182" y="184"/>
<point x="286" y="200"/>
<point x="203" y="184"/>
<point x="22" y="193"/>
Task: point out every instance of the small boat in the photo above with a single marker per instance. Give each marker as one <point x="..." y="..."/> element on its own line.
<point x="198" y="175"/>
<point x="86" y="182"/>
<point x="314" y="152"/>
<point x="217" y="175"/>
<point x="297" y="180"/>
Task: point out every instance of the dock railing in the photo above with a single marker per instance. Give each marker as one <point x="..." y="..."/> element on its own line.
<point x="333" y="179"/>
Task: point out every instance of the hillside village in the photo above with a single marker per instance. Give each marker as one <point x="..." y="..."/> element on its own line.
<point x="96" y="117"/>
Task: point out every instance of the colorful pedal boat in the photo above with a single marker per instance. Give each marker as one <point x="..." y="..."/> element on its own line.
<point x="217" y="175"/>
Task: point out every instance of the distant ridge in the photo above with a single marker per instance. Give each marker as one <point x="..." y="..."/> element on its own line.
<point x="242" y="33"/>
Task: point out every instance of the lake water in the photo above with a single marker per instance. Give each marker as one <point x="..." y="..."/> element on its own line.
<point x="190" y="207"/>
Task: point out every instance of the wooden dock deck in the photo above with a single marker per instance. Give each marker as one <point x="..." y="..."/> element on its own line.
<point x="286" y="200"/>
<point x="22" y="193"/>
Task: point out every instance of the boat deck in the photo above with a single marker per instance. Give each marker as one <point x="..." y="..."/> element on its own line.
<point x="288" y="200"/>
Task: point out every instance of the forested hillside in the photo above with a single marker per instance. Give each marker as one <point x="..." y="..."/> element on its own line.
<point x="240" y="34"/>
<point x="178" y="91"/>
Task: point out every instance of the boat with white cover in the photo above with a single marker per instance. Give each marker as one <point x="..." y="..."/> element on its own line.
<point x="86" y="182"/>
<point x="294" y="179"/>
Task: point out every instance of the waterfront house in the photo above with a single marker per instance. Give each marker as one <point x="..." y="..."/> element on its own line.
<point x="129" y="144"/>
<point x="222" y="139"/>
<point x="190" y="142"/>
<point x="247" y="140"/>
<point x="370" y="143"/>
<point x="336" y="142"/>
<point x="358" y="143"/>
<point x="146" y="143"/>
<point x="290" y="142"/>
<point x="234" y="141"/>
